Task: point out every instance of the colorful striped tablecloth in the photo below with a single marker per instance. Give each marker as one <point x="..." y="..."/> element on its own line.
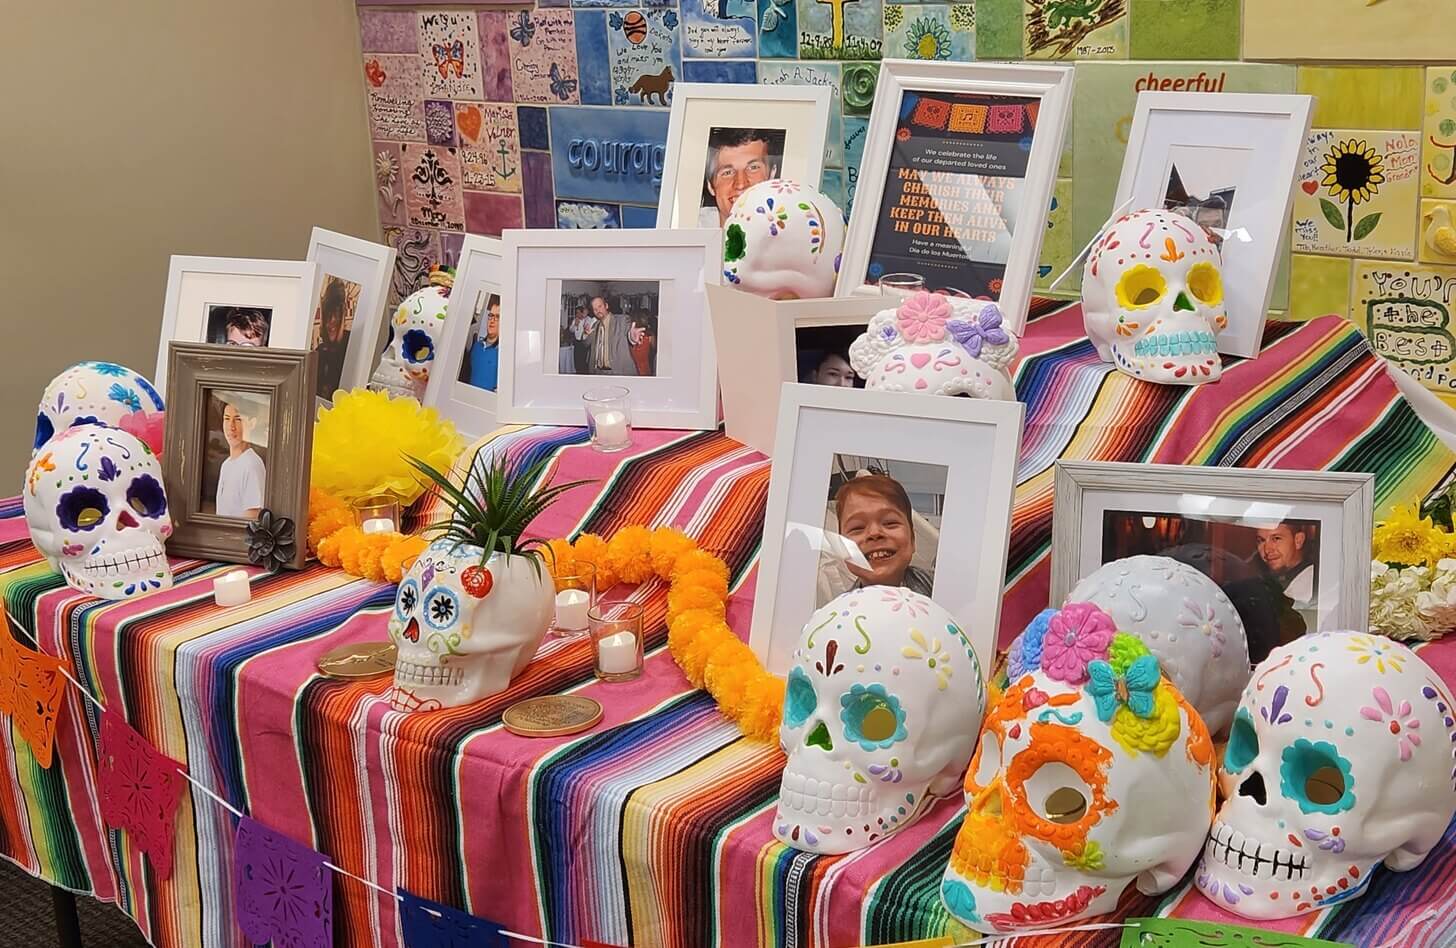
<point x="652" y="829"/>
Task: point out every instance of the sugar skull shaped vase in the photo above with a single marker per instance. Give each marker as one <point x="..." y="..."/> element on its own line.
<point x="101" y="393"/>
<point x="1184" y="619"/>
<point x="783" y="241"/>
<point x="97" y="510"/>
<point x="1092" y="774"/>
<point x="465" y="628"/>
<point x="415" y="330"/>
<point x="1339" y="760"/>
<point x="936" y="345"/>
<point x="881" y="711"/>
<point x="1152" y="298"/>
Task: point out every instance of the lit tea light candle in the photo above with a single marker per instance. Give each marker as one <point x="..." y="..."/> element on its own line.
<point x="571" y="605"/>
<point x="611" y="427"/>
<point x="617" y="653"/>
<point x="232" y="589"/>
<point x="378" y="525"/>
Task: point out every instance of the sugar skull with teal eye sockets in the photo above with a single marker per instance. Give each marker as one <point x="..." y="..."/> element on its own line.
<point x="1340" y="758"/>
<point x="881" y="709"/>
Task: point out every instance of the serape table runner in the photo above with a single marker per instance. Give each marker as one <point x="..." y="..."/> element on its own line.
<point x="653" y="828"/>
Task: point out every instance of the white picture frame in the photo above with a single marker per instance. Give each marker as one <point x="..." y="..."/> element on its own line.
<point x="201" y="287"/>
<point x="1085" y="493"/>
<point x="975" y="440"/>
<point x="800" y="113"/>
<point x="369" y="265"/>
<point x="1051" y="85"/>
<point x="1263" y="134"/>
<point x="757" y="344"/>
<point x="478" y="276"/>
<point x="541" y="267"/>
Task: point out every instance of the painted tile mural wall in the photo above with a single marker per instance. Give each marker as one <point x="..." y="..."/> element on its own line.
<point x="555" y="115"/>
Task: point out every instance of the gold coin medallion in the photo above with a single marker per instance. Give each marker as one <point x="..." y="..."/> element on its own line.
<point x="359" y="660"/>
<point x="552" y="716"/>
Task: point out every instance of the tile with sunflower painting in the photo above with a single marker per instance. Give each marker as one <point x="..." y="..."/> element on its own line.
<point x="933" y="32"/>
<point x="1357" y="194"/>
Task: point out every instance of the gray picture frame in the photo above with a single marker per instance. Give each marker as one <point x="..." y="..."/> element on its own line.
<point x="287" y="377"/>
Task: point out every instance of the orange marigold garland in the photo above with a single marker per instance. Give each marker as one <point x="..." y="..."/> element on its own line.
<point x="337" y="541"/>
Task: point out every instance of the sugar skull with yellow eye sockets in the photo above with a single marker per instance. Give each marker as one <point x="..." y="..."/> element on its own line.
<point x="1152" y="298"/>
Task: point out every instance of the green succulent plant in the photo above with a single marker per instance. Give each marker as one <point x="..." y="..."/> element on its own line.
<point x="507" y="503"/>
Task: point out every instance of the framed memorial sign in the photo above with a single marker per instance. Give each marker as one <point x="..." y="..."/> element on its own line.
<point x="958" y="170"/>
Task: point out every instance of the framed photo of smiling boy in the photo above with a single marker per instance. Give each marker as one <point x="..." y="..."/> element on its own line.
<point x="885" y="489"/>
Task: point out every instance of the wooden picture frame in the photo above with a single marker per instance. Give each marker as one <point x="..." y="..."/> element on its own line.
<point x="285" y="378"/>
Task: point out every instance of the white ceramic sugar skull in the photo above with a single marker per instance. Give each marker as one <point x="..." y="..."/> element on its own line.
<point x="1152" y="298"/>
<point x="883" y="703"/>
<point x="1092" y="774"/>
<point x="93" y="393"/>
<point x="415" y="330"/>
<point x="783" y="241"/>
<point x="464" y="630"/>
<point x="1339" y="759"/>
<point x="936" y="345"/>
<point x="97" y="509"/>
<point x="1183" y="617"/>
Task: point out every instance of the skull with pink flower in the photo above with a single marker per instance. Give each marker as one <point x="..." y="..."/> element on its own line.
<point x="936" y="345"/>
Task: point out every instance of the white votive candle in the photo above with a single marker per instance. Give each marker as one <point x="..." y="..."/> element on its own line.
<point x="378" y="525"/>
<point x="611" y="427"/>
<point x="571" y="609"/>
<point x="232" y="589"/>
<point x="617" y="653"/>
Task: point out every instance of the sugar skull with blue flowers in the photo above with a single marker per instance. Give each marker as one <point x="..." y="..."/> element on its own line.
<point x="1340" y="759"/>
<point x="96" y="393"/>
<point x="1092" y="774"/>
<point x="415" y="331"/>
<point x="936" y="345"/>
<point x="881" y="711"/>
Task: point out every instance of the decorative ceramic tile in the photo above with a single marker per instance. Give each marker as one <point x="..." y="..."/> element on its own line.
<point x="1438" y="143"/>
<point x="1348" y="29"/>
<point x="416" y="250"/>
<point x="645" y="56"/>
<point x="1184" y="29"/>
<point x="778" y="29"/>
<point x="930" y="31"/>
<point x="592" y="57"/>
<point x="451" y="244"/>
<point x="855" y="130"/>
<point x="450" y="55"/>
<point x="720" y="70"/>
<point x="1364" y="96"/>
<point x="841" y="29"/>
<point x="1000" y="26"/>
<point x="396" y="96"/>
<point x="495" y="51"/>
<point x="1318" y="286"/>
<point x="1437" y="237"/>
<point x="608" y="155"/>
<point x="813" y="74"/>
<point x="1357" y="194"/>
<point x="533" y="128"/>
<point x="1076" y="29"/>
<point x="719" y="28"/>
<point x="389" y="183"/>
<point x="539" y="198"/>
<point x="639" y="218"/>
<point x="489" y="214"/>
<point x="831" y="185"/>
<point x="581" y="215"/>
<point x="490" y="151"/>
<point x="1056" y="243"/>
<point x="388" y="31"/>
<point x="432" y="186"/>
<point x="439" y="122"/>
<point x="1406" y="312"/>
<point x="857" y="86"/>
<point x="543" y="58"/>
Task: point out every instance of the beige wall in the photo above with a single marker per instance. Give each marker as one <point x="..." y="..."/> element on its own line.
<point x="131" y="131"/>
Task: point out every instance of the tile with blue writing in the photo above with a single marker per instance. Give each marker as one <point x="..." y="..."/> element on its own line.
<point x="646" y="58"/>
<point x="607" y="155"/>
<point x="778" y="29"/>
<point x="587" y="215"/>
<point x="855" y="131"/>
<point x="543" y="58"/>
<point x="813" y="74"/>
<point x="719" y="28"/>
<point x="841" y="29"/>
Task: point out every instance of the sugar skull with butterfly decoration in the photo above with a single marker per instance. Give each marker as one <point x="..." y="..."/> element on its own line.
<point x="415" y="330"/>
<point x="94" y="393"/>
<point x="936" y="345"/>
<point x="1092" y="774"/>
<point x="1152" y="298"/>
<point x="783" y="241"/>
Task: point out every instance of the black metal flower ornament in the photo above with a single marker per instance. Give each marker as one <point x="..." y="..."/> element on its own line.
<point x="270" y="540"/>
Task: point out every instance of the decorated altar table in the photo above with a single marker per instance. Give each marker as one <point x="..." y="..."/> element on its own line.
<point x="652" y="828"/>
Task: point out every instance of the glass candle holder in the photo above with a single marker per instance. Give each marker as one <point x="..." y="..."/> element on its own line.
<point x="901" y="284"/>
<point x="955" y="293"/>
<point x="377" y="514"/>
<point x="608" y="417"/>
<point x="616" y="631"/>
<point x="576" y="592"/>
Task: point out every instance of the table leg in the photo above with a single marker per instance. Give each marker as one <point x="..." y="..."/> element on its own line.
<point x="68" y="924"/>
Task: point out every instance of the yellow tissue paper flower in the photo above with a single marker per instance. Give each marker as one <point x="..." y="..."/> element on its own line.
<point x="1408" y="538"/>
<point x="361" y="443"/>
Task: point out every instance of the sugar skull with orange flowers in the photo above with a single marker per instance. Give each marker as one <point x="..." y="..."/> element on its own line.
<point x="1093" y="773"/>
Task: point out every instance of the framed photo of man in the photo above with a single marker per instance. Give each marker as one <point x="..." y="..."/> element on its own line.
<point x="350" y="291"/>
<point x="463" y="388"/>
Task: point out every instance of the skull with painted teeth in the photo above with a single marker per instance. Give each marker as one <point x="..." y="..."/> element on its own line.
<point x="883" y="702"/>
<point x="1152" y="298"/>
<point x="1340" y="758"/>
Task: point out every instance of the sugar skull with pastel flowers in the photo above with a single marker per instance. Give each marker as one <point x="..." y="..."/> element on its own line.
<point x="1340" y="760"/>
<point x="415" y="330"/>
<point x="936" y="345"/>
<point x="97" y="393"/>
<point x="1092" y="774"/>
